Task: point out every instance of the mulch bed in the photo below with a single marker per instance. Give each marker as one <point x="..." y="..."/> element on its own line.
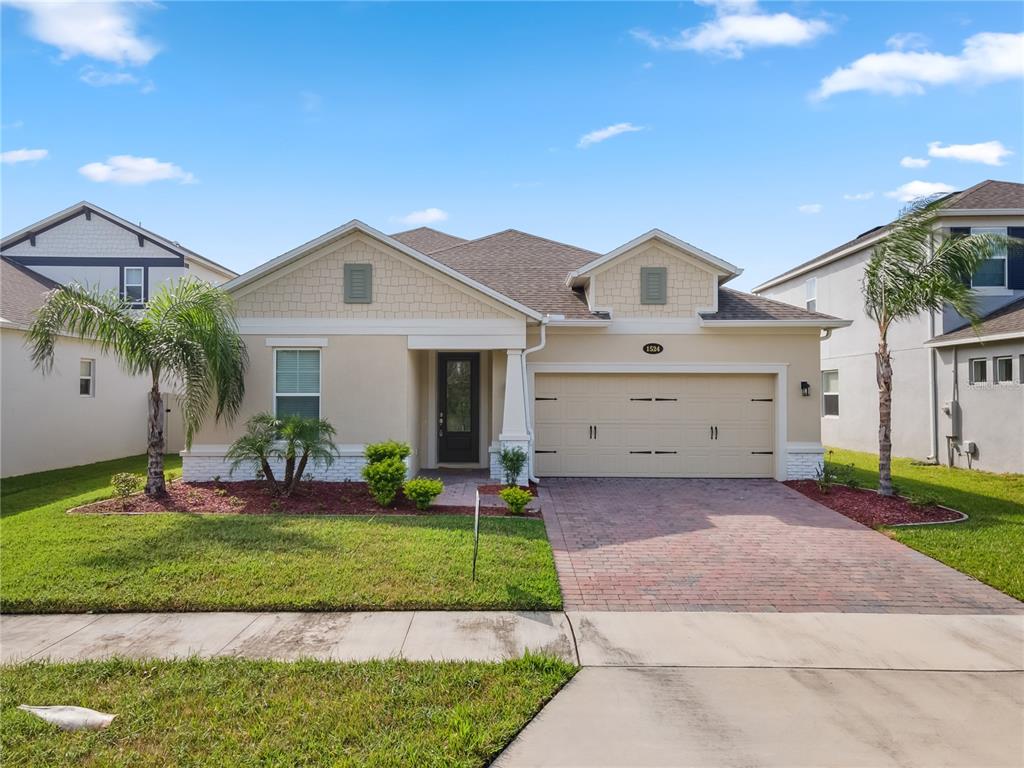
<point x="252" y="498"/>
<point x="870" y="509"/>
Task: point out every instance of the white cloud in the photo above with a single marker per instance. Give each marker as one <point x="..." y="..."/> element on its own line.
<point x="426" y="216"/>
<point x="986" y="57"/>
<point x="810" y="208"/>
<point x="101" y="30"/>
<point x="914" y="190"/>
<point x="859" y="196"/>
<point x="22" y="155"/>
<point x="914" y="162"/>
<point x="127" y="169"/>
<point x="603" y="134"/>
<point x="907" y="41"/>
<point x="987" y="152"/>
<point x="738" y="25"/>
<point x="99" y="79"/>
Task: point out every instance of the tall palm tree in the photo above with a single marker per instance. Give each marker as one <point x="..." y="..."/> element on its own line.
<point x="186" y="334"/>
<point x="915" y="269"/>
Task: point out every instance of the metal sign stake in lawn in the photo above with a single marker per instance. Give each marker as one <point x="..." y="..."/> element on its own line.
<point x="476" y="532"/>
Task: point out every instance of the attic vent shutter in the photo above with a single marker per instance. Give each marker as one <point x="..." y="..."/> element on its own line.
<point x="1015" y="256"/>
<point x="961" y="232"/>
<point x="358" y="283"/>
<point x="653" y="285"/>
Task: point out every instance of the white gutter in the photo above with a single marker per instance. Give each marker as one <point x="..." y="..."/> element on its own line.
<point x="933" y="415"/>
<point x="529" y="408"/>
<point x="974" y="339"/>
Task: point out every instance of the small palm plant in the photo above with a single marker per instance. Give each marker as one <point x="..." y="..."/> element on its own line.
<point x="292" y="439"/>
<point x="913" y="270"/>
<point x="186" y="334"/>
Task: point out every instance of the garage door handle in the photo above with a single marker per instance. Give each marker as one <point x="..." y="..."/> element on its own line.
<point x="716" y="433"/>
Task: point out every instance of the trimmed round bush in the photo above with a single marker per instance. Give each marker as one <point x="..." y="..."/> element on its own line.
<point x="384" y="478"/>
<point x="422" y="491"/>
<point x="515" y="499"/>
<point x="389" y="449"/>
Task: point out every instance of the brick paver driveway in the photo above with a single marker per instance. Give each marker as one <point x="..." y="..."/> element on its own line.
<point x="737" y="545"/>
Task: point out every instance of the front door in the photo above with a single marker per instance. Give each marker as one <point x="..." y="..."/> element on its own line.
<point x="458" y="432"/>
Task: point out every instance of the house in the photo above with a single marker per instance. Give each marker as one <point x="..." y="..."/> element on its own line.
<point x="958" y="391"/>
<point x="635" y="362"/>
<point x="87" y="409"/>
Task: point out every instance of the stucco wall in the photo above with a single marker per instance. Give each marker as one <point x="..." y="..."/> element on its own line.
<point x="617" y="286"/>
<point x="402" y="288"/>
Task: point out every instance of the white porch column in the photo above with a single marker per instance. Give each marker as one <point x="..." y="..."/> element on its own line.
<point x="514" y="432"/>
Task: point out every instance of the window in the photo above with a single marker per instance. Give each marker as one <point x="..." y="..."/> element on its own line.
<point x="1002" y="367"/>
<point x="978" y="370"/>
<point x="992" y="272"/>
<point x="358" y="283"/>
<point x="811" y="294"/>
<point x="297" y="382"/>
<point x="830" y="393"/>
<point x="134" y="280"/>
<point x="653" y="285"/>
<point x="87" y="377"/>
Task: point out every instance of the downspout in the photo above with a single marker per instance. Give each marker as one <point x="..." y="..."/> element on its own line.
<point x="529" y="409"/>
<point x="933" y="406"/>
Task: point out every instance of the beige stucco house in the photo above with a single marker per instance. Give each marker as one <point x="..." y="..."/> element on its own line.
<point x="637" y="362"/>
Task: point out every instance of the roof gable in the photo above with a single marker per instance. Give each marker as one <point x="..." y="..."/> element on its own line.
<point x="722" y="268"/>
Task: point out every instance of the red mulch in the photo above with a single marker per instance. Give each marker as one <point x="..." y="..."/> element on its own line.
<point x="252" y="498"/>
<point x="493" y="489"/>
<point x="870" y="509"/>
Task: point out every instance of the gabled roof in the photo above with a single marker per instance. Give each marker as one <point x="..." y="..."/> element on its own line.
<point x="357" y="226"/>
<point x="1007" y="322"/>
<point x="987" y="197"/>
<point x="21" y="293"/>
<point x="736" y="307"/>
<point x="80" y="208"/>
<point x="427" y="240"/>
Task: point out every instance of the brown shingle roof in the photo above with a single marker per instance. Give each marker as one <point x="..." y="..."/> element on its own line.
<point x="427" y="240"/>
<point x="1007" y="319"/>
<point x="21" y="292"/>
<point x="736" y="305"/>
<point x="524" y="267"/>
<point x="988" y="195"/>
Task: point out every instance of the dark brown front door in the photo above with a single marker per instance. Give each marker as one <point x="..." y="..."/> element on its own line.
<point x="458" y="433"/>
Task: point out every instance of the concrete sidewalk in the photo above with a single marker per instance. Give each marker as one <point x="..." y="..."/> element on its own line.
<point x="600" y="639"/>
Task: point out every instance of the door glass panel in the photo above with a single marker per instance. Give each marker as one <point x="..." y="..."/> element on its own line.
<point x="458" y="395"/>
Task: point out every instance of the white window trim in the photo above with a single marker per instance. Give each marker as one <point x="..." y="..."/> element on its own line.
<point x="994" y="290"/>
<point x="91" y="377"/>
<point x="823" y="393"/>
<point x="995" y="369"/>
<point x="320" y="379"/>
<point x="141" y="286"/>
<point x="970" y="370"/>
<point x="811" y="293"/>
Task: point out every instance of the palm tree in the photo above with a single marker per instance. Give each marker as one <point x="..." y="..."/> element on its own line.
<point x="291" y="439"/>
<point x="915" y="269"/>
<point x="187" y="334"/>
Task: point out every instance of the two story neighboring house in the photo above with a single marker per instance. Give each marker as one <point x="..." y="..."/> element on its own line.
<point x="87" y="409"/>
<point x="958" y="391"/>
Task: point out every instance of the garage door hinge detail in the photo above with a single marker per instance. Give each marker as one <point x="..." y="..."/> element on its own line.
<point x="641" y="399"/>
<point x="761" y="400"/>
<point x="648" y="452"/>
<point x="545" y="398"/>
<point x="762" y="453"/>
<point x="538" y="451"/>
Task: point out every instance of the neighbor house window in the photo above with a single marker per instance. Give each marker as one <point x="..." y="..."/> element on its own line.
<point x="978" y="370"/>
<point x="653" y="285"/>
<point x="811" y="294"/>
<point x="87" y="377"/>
<point x="1003" y="369"/>
<point x="134" y="280"/>
<point x="297" y="382"/>
<point x="830" y="392"/>
<point x="992" y="272"/>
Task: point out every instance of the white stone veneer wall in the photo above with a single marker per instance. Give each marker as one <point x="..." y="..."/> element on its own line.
<point x="803" y="461"/>
<point x="204" y="465"/>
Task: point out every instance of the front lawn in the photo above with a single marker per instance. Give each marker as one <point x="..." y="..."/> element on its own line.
<point x="55" y="562"/>
<point x="989" y="546"/>
<point x="230" y="712"/>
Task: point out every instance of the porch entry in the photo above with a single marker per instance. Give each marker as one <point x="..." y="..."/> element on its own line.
<point x="458" y="407"/>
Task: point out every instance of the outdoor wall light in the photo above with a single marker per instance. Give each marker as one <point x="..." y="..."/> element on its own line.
<point x="805" y="388"/>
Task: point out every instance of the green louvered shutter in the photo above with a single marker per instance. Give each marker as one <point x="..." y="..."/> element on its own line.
<point x="358" y="283"/>
<point x="653" y="285"/>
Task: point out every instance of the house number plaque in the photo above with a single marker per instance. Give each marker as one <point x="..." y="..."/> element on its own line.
<point x="653" y="348"/>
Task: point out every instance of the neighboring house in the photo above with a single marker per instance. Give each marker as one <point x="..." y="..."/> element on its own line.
<point x="958" y="392"/>
<point x="87" y="409"/>
<point x="636" y="362"/>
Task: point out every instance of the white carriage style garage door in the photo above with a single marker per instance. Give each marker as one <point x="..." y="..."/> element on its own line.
<point x="654" y="425"/>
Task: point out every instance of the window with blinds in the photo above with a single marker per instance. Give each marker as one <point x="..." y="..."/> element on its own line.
<point x="297" y="382"/>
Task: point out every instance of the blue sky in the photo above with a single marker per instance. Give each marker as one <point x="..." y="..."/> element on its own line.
<point x="244" y="129"/>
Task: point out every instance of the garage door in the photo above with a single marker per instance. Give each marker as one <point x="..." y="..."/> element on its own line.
<point x="654" y="425"/>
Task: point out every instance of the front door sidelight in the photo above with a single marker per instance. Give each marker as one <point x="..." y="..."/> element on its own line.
<point x="458" y="407"/>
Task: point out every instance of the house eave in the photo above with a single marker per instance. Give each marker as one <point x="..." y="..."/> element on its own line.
<point x="810" y="323"/>
<point x="986" y="339"/>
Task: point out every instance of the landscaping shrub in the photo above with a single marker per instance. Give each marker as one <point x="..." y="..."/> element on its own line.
<point x="422" y="491"/>
<point x="515" y="499"/>
<point x="389" y="449"/>
<point x="512" y="461"/>
<point x="384" y="478"/>
<point x="126" y="485"/>
<point x="292" y="439"/>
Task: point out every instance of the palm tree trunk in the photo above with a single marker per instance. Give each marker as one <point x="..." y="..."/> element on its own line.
<point x="155" y="487"/>
<point x="883" y="372"/>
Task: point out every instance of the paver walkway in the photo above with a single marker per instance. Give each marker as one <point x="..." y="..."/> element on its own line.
<point x="737" y="545"/>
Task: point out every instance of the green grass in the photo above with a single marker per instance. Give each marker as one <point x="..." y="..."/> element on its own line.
<point x="231" y="712"/>
<point x="989" y="546"/>
<point x="55" y="562"/>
